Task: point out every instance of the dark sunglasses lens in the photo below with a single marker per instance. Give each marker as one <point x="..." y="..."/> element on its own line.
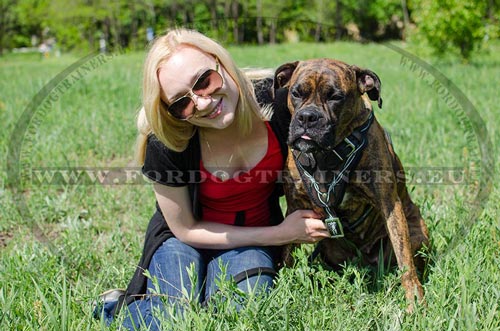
<point x="180" y="109"/>
<point x="208" y="83"/>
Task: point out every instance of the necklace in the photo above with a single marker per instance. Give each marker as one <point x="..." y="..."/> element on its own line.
<point x="219" y="173"/>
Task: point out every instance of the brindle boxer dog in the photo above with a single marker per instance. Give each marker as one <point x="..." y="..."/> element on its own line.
<point x="343" y="166"/>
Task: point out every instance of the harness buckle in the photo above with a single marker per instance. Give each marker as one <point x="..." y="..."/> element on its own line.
<point x="350" y="145"/>
<point x="334" y="226"/>
<point x="338" y="155"/>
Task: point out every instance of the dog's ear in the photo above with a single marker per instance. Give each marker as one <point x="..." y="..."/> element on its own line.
<point x="283" y="74"/>
<point x="369" y="83"/>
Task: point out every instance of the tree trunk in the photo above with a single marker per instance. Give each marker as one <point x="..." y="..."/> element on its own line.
<point x="107" y="30"/>
<point x="406" y="18"/>
<point x="317" y="33"/>
<point x="133" y="26"/>
<point x="260" y="33"/>
<point x="491" y="11"/>
<point x="227" y="15"/>
<point x="213" y="14"/>
<point x="338" y="20"/>
<point x="272" y="31"/>
<point x="320" y="20"/>
<point x="117" y="32"/>
<point x="236" y="28"/>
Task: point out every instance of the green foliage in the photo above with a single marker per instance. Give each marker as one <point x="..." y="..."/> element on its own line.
<point x="122" y="24"/>
<point x="377" y="20"/>
<point x="448" y="25"/>
<point x="452" y="25"/>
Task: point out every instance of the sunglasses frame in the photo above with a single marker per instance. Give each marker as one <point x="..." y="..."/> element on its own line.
<point x="190" y="93"/>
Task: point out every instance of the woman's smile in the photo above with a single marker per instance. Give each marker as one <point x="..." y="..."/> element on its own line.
<point x="216" y="112"/>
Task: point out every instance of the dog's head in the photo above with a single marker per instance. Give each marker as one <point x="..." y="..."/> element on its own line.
<point x="326" y="99"/>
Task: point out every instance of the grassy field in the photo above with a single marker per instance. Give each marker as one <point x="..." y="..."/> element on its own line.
<point x="63" y="244"/>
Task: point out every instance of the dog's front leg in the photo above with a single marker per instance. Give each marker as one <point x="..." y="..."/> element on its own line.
<point x="399" y="235"/>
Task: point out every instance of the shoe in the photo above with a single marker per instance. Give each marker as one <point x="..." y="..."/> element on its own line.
<point x="105" y="304"/>
<point x="111" y="295"/>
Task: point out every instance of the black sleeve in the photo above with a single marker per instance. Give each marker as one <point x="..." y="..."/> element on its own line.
<point x="165" y="166"/>
<point x="281" y="114"/>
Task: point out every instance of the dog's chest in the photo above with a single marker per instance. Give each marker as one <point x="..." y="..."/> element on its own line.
<point x="355" y="212"/>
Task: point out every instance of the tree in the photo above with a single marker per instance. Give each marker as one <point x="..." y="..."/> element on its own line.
<point x="7" y="19"/>
<point x="275" y="11"/>
<point x="376" y="19"/>
<point x="30" y="20"/>
<point x="406" y="17"/>
<point x="451" y="25"/>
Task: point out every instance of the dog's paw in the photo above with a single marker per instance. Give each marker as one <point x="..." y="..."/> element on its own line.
<point x="414" y="297"/>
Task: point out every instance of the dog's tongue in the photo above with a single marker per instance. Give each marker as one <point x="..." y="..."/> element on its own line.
<point x="305" y="137"/>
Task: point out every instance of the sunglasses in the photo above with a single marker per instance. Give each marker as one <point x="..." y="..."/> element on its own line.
<point x="208" y="83"/>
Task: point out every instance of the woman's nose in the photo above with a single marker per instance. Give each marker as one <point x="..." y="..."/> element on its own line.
<point x="200" y="102"/>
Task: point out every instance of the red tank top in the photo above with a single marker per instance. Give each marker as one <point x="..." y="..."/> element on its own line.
<point x="243" y="199"/>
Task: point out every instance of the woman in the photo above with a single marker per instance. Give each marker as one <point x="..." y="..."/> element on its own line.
<point x="214" y="161"/>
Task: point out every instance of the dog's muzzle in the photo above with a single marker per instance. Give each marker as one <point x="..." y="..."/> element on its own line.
<point x="309" y="130"/>
<point x="307" y="118"/>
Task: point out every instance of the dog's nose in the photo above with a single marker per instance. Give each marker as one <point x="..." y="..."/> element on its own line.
<point x="307" y="117"/>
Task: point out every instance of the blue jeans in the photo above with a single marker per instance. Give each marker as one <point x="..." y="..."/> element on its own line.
<point x="169" y="276"/>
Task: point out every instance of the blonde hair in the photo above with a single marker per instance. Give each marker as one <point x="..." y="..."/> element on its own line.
<point x="153" y="117"/>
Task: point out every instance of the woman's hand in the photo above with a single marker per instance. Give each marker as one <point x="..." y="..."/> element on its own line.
<point x="303" y="227"/>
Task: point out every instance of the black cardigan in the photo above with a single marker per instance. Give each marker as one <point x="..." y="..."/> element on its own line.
<point x="158" y="231"/>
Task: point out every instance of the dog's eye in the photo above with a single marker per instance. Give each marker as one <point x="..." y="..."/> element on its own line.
<point x="296" y="93"/>
<point x="335" y="96"/>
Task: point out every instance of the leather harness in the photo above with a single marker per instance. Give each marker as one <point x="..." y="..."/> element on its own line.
<point x="346" y="155"/>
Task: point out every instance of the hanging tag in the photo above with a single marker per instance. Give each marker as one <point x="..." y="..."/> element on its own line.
<point x="334" y="227"/>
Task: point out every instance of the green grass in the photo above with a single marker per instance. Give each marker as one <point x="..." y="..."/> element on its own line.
<point x="79" y="240"/>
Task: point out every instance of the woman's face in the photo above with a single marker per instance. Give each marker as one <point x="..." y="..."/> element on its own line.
<point x="185" y="74"/>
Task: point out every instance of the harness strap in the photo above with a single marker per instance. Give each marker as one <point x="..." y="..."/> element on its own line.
<point x="245" y="274"/>
<point x="352" y="143"/>
<point x="253" y="272"/>
<point x="348" y="153"/>
<point x="351" y="149"/>
<point x="352" y="226"/>
<point x="314" y="255"/>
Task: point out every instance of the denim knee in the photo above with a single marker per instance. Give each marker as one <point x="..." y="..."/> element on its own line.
<point x="234" y="262"/>
<point x="176" y="269"/>
<point x="142" y="314"/>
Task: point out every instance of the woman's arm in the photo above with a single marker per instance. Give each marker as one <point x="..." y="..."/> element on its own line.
<point x="299" y="227"/>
